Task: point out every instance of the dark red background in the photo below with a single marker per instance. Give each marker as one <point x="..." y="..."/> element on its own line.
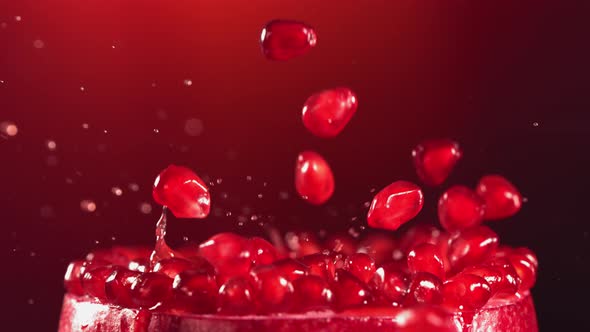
<point x="481" y="72"/>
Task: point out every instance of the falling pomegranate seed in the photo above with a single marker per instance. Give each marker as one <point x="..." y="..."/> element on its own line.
<point x="150" y="289"/>
<point x="310" y="293"/>
<point x="291" y="269"/>
<point x="425" y="288"/>
<point x="434" y="160"/>
<point x="510" y="281"/>
<point x="183" y="192"/>
<point x="466" y="292"/>
<point x="529" y="254"/>
<point x="426" y="318"/>
<point x="93" y="281"/>
<point x="501" y="197"/>
<point x="390" y="282"/>
<point x="349" y="290"/>
<point x="271" y="288"/>
<point x="361" y="266"/>
<point x="285" y="39"/>
<point x="228" y="253"/>
<point x="472" y="246"/>
<point x="426" y="257"/>
<point x="459" y="208"/>
<point x="395" y="205"/>
<point x="118" y="286"/>
<point x="261" y="251"/>
<point x="326" y="113"/>
<point x="195" y="291"/>
<point x="236" y="297"/>
<point x="314" y="180"/>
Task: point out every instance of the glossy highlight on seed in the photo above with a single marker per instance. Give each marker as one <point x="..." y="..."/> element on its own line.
<point x="326" y="113"/>
<point x="395" y="205"/>
<point x="286" y="39"/>
<point x="314" y="180"/>
<point x="183" y="192"/>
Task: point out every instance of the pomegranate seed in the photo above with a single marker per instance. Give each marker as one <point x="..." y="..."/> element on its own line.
<point x="435" y="159"/>
<point x="492" y="275"/>
<point x="290" y="268"/>
<point x="529" y="254"/>
<point x="361" y="266"/>
<point x="341" y="243"/>
<point x="235" y="297"/>
<point x="310" y="293"/>
<point x="426" y="318"/>
<point x="379" y="246"/>
<point x="228" y="253"/>
<point x="183" y="192"/>
<point x="425" y="288"/>
<point x="261" y="251"/>
<point x="118" y="286"/>
<point x="271" y="288"/>
<point x="302" y="243"/>
<point x="150" y="289"/>
<point x="426" y="257"/>
<point x="320" y="265"/>
<point x="195" y="291"/>
<point x="460" y="208"/>
<point x="314" y="180"/>
<point x="72" y="278"/>
<point x="466" y="292"/>
<point x="325" y="114"/>
<point x="348" y="290"/>
<point x="285" y="39"/>
<point x="173" y="266"/>
<point x="472" y="246"/>
<point x="390" y="282"/>
<point x="93" y="281"/>
<point x="503" y="251"/>
<point x="395" y="205"/>
<point x="526" y="270"/>
<point x="510" y="279"/>
<point x="501" y="197"/>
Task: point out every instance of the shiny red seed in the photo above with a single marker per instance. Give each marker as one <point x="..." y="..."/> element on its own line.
<point x="395" y="205"/>
<point x="183" y="192"/>
<point x="118" y="286"/>
<point x="390" y="282"/>
<point x="93" y="281"/>
<point x="472" y="246"/>
<point x="173" y="266"/>
<point x="529" y="254"/>
<point x="349" y="291"/>
<point x="271" y="288"/>
<point x="435" y="159"/>
<point x="492" y="275"/>
<point x="379" y="246"/>
<point x="314" y="180"/>
<point x="425" y="288"/>
<point x="510" y="280"/>
<point x="320" y="264"/>
<point x="459" y="208"/>
<point x="195" y="291"/>
<point x="285" y="39"/>
<point x="290" y="269"/>
<point x="525" y="268"/>
<point x="501" y="197"/>
<point x="466" y="292"/>
<point x="302" y="243"/>
<point x="236" y="297"/>
<point x="427" y="257"/>
<point x="150" y="289"/>
<point x="361" y="266"/>
<point x="326" y="113"/>
<point x="261" y="251"/>
<point x="228" y="253"/>
<point x="426" y="318"/>
<point x="310" y="293"/>
<point x="341" y="243"/>
<point x="73" y="276"/>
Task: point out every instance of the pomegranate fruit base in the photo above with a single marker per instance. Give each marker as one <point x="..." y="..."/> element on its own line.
<point x="84" y="314"/>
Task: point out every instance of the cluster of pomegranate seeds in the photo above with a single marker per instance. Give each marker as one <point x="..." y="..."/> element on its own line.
<point x="285" y="39"/>
<point x="326" y="113"/>
<point x="314" y="180"/>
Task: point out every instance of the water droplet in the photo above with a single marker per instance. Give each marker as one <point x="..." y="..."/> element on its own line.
<point x="188" y="82"/>
<point x="248" y="178"/>
<point x="366" y="204"/>
<point x="82" y="88"/>
<point x="156" y="130"/>
<point x="525" y="199"/>
<point x="69" y="181"/>
<point x="133" y="187"/>
<point x="185" y="238"/>
<point x="38" y="44"/>
<point x="224" y="195"/>
<point x="283" y="195"/>
<point x="154" y="84"/>
<point x="145" y="208"/>
<point x="535" y="124"/>
<point x="85" y="126"/>
<point x="33" y="254"/>
<point x="117" y="191"/>
<point x="8" y="128"/>
<point x="51" y="145"/>
<point x="18" y="18"/>
<point x="218" y="181"/>
<point x="193" y="127"/>
<point x="88" y="206"/>
<point x="260" y="196"/>
<point x="353" y="232"/>
<point x="228" y="214"/>
<point x="30" y="301"/>
<point x="113" y="238"/>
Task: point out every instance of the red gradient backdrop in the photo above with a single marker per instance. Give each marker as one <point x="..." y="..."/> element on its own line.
<point x="508" y="79"/>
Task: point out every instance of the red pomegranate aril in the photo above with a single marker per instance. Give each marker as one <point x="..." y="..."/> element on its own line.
<point x="427" y="257"/>
<point x="395" y="205"/>
<point x="426" y="318"/>
<point x="290" y="269"/>
<point x="302" y="243"/>
<point x="183" y="192"/>
<point x="501" y="197"/>
<point x="466" y="292"/>
<point x="379" y="246"/>
<point x="526" y="270"/>
<point x="93" y="281"/>
<point x="314" y="180"/>
<point x="460" y="208"/>
<point x="173" y="266"/>
<point x="73" y="276"/>
<point x="326" y="113"/>
<point x="236" y="297"/>
<point x="529" y="254"/>
<point x="286" y="39"/>
<point x="389" y="282"/>
<point x="425" y="288"/>
<point x="271" y="288"/>
<point x="310" y="293"/>
<point x="361" y="266"/>
<point x="341" y="243"/>
<point x="348" y="290"/>
<point x="510" y="280"/>
<point x="118" y="286"/>
<point x="492" y="275"/>
<point x="435" y="159"/>
<point x="472" y="246"/>
<point x="320" y="264"/>
<point x="195" y="291"/>
<point x="261" y="251"/>
<point x="228" y="253"/>
<point x="150" y="289"/>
